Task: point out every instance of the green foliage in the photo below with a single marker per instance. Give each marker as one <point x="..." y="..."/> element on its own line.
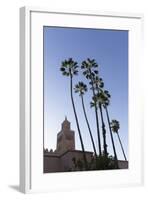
<point x="69" y="67"/>
<point x="115" y="126"/>
<point x="105" y="162"/>
<point x="80" y="88"/>
<point x="101" y="162"/>
<point x="101" y="97"/>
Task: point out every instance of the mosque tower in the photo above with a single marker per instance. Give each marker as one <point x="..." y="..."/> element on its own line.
<point x="65" y="138"/>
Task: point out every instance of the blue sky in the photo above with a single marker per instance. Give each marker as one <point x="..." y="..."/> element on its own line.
<point x="110" y="49"/>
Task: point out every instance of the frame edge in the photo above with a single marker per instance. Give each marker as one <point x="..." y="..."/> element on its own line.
<point x="24" y="95"/>
<point x="25" y="183"/>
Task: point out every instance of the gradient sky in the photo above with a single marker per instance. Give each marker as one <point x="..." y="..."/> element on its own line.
<point x="110" y="49"/>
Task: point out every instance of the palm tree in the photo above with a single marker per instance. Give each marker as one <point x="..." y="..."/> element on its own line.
<point x="106" y="103"/>
<point x="115" y="127"/>
<point x="89" y="71"/>
<point x="81" y="88"/>
<point x="98" y="100"/>
<point x="69" y="68"/>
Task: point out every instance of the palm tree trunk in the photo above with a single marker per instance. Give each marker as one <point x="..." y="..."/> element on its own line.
<point x="98" y="131"/>
<point x="122" y="147"/>
<point x="91" y="136"/>
<point x="77" y="122"/>
<point x="112" y="139"/>
<point x="103" y="131"/>
<point x="97" y="120"/>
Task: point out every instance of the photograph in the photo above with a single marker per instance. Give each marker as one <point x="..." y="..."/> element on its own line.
<point x="85" y="99"/>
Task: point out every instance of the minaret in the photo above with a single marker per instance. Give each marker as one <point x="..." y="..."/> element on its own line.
<point x="65" y="138"/>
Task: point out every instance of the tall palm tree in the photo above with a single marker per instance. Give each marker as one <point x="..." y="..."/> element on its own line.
<point x="115" y="127"/>
<point x="98" y="99"/>
<point x="90" y="69"/>
<point x="81" y="88"/>
<point x="106" y="103"/>
<point x="69" y="68"/>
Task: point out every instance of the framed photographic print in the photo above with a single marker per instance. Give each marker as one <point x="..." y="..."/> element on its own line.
<point x="80" y="100"/>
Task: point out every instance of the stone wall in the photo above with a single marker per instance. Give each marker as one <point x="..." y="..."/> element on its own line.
<point x="54" y="162"/>
<point x="51" y="163"/>
<point x="123" y="164"/>
<point x="60" y="163"/>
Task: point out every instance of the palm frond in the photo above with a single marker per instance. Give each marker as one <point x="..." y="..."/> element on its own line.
<point x="80" y="88"/>
<point x="62" y="69"/>
<point x="92" y="104"/>
<point x="69" y="67"/>
<point x="96" y="71"/>
<point x="115" y="125"/>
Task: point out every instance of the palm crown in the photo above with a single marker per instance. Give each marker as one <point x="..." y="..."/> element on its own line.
<point x="102" y="97"/>
<point x="100" y="100"/>
<point x="96" y="82"/>
<point x="69" y="67"/>
<point x="80" y="88"/>
<point x="89" y="66"/>
<point x="115" y="126"/>
<point x="106" y="98"/>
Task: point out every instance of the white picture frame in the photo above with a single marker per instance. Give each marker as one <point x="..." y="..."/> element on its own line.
<point x="32" y="178"/>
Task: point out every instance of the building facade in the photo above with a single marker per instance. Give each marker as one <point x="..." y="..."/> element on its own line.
<point x="65" y="138"/>
<point x="64" y="157"/>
